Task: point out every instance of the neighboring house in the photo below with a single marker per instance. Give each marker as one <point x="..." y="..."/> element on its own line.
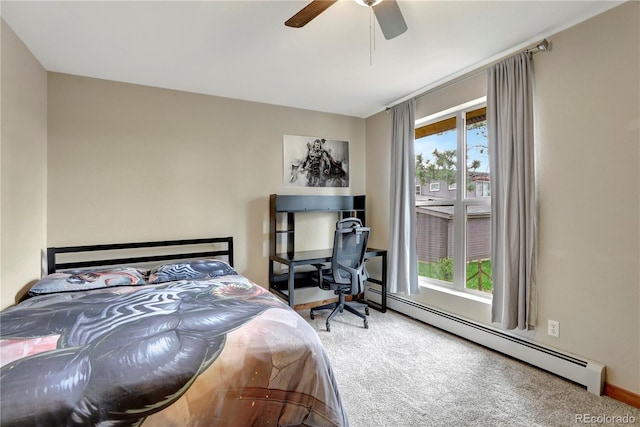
<point x="435" y="223"/>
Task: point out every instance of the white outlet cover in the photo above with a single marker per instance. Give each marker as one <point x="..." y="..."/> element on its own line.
<point x="554" y="328"/>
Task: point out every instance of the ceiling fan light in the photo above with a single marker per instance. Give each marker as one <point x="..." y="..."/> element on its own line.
<point x="368" y="3"/>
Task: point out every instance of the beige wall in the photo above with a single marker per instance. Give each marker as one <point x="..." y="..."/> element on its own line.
<point x="589" y="155"/>
<point x="23" y="166"/>
<point x="587" y="119"/>
<point x="135" y="163"/>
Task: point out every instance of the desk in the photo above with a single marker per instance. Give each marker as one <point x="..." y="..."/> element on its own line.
<point x="321" y="256"/>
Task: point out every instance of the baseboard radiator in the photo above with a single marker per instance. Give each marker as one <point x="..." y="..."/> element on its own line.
<point x="579" y="370"/>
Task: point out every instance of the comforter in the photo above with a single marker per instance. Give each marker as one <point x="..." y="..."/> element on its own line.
<point x="215" y="352"/>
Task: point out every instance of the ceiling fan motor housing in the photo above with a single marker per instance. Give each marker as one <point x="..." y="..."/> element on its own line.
<point x="368" y="3"/>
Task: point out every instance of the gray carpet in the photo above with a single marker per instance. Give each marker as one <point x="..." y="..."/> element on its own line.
<point x="401" y="372"/>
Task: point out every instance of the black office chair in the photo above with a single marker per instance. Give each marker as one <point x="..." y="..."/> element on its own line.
<point x="347" y="274"/>
<point x="353" y="222"/>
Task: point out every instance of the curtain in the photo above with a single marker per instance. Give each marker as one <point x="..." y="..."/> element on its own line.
<point x="403" y="258"/>
<point x="513" y="192"/>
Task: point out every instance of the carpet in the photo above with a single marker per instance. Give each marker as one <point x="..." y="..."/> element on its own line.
<point x="403" y="373"/>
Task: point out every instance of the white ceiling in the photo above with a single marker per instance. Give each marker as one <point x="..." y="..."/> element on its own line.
<point x="241" y="49"/>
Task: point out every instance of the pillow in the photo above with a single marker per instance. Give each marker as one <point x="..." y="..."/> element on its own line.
<point x="80" y="280"/>
<point x="190" y="270"/>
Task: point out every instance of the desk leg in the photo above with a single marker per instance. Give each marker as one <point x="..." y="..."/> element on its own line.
<point x="382" y="307"/>
<point x="290" y="282"/>
<point x="384" y="282"/>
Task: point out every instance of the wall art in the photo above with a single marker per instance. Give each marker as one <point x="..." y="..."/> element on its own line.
<point x="311" y="161"/>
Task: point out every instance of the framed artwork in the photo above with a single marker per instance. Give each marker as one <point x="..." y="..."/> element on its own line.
<point x="311" y="161"/>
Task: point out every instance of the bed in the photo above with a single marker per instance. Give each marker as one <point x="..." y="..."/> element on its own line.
<point x="188" y="342"/>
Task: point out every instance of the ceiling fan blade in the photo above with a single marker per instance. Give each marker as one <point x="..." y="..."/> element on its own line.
<point x="390" y="18"/>
<point x="310" y="11"/>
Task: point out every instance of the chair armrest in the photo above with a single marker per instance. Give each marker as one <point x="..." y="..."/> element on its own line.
<point x="319" y="267"/>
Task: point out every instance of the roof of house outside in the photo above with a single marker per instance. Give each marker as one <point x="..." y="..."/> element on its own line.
<point x="424" y="204"/>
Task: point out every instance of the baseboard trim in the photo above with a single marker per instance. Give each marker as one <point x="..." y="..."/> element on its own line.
<point x="309" y="305"/>
<point x="622" y="395"/>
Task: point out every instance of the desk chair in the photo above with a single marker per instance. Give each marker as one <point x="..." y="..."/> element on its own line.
<point x="348" y="223"/>
<point x="347" y="270"/>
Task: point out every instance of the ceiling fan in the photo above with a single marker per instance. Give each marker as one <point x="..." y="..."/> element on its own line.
<point x="387" y="13"/>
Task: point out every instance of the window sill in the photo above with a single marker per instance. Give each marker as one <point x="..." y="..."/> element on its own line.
<point x="461" y="294"/>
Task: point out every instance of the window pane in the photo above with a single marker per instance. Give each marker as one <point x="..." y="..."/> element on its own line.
<point x="478" y="183"/>
<point x="435" y="229"/>
<point x="436" y="166"/>
<point x="479" y="248"/>
<point x="435" y="148"/>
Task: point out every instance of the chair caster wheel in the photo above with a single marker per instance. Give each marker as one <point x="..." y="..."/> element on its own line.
<point x="312" y="316"/>
<point x="328" y="328"/>
<point x="366" y="324"/>
<point x="366" y="311"/>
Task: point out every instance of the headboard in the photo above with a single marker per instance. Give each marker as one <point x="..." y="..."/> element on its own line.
<point x="166" y="250"/>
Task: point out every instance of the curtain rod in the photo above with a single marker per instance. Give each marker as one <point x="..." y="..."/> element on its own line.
<point x="541" y="46"/>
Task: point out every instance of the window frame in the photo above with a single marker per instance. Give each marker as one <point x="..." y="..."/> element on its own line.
<point x="462" y="202"/>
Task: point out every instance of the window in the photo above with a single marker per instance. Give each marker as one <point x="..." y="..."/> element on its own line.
<point x="454" y="226"/>
<point x="483" y="188"/>
<point x="434" y="186"/>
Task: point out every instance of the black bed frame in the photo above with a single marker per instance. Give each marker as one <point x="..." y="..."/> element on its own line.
<point x="205" y="245"/>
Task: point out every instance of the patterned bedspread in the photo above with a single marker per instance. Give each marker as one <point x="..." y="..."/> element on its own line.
<point x="216" y="352"/>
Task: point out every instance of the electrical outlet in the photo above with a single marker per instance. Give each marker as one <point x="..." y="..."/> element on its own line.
<point x="554" y="328"/>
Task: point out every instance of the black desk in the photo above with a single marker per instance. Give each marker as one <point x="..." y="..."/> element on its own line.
<point x="321" y="256"/>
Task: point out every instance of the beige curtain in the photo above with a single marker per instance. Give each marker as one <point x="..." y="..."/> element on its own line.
<point x="513" y="192"/>
<point x="403" y="259"/>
